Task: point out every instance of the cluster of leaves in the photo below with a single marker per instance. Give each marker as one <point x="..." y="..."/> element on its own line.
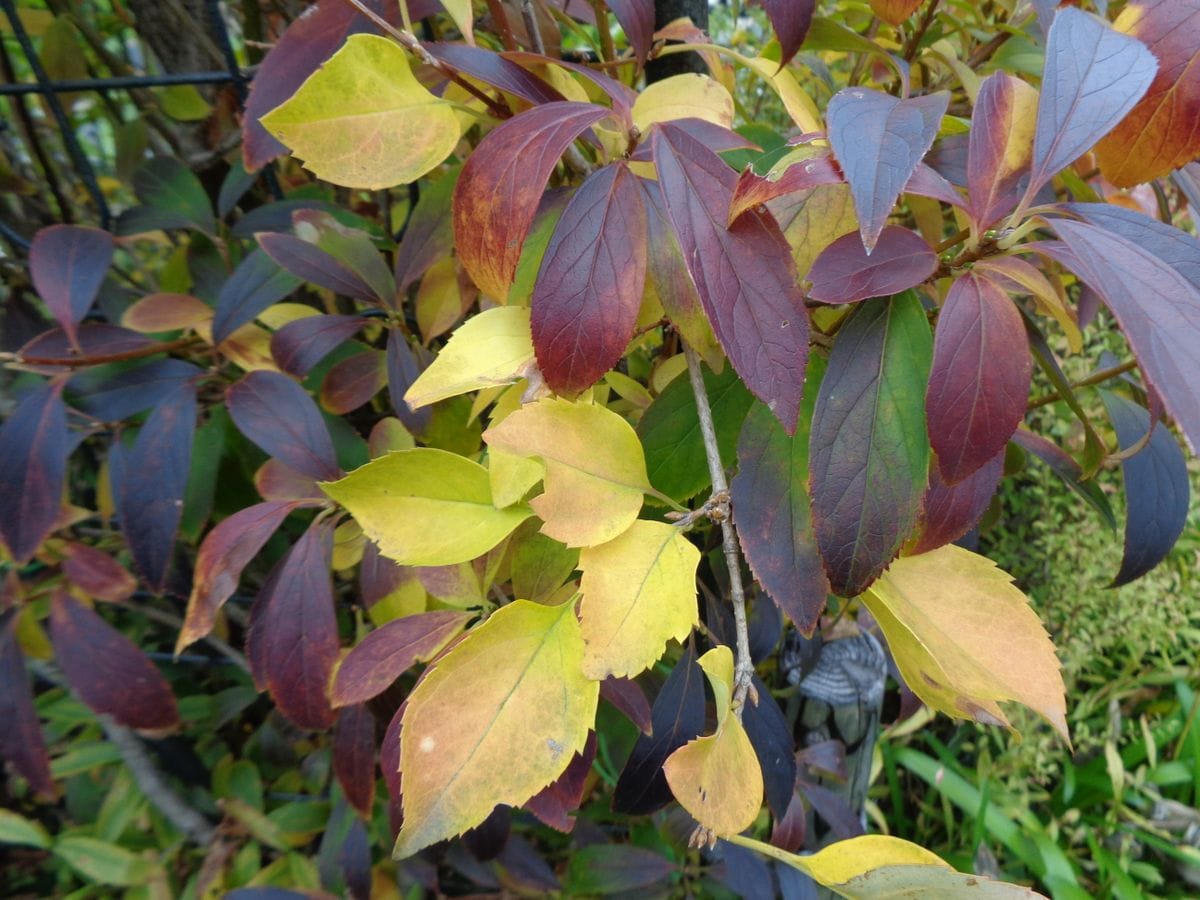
<point x="530" y="511"/>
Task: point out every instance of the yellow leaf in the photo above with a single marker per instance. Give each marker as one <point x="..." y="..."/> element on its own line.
<point x="460" y="11"/>
<point x="494" y="721"/>
<point x="717" y="664"/>
<point x="595" y="468"/>
<point x="965" y="638"/>
<point x="426" y="507"/>
<point x="639" y="591"/>
<point x="718" y="780"/>
<point x="439" y="301"/>
<point x="490" y="349"/>
<point x="798" y="104"/>
<point x="813" y="220"/>
<point x="682" y="97"/>
<point x="363" y="120"/>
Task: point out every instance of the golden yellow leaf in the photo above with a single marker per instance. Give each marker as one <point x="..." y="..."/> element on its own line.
<point x="689" y="96"/>
<point x="439" y="301"/>
<point x="490" y="349"/>
<point x="595" y="468"/>
<point x="464" y="17"/>
<point x="965" y="638"/>
<point x="494" y="721"/>
<point x="639" y="591"/>
<point x="812" y="220"/>
<point x="363" y="120"/>
<point x="426" y="507"/>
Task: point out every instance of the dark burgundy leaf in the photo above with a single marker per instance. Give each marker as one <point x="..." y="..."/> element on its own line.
<point x="628" y="696"/>
<point x="111" y="396"/>
<point x="307" y="43"/>
<point x="790" y="829"/>
<point x="389" y="758"/>
<point x="354" y="859"/>
<point x="21" y="740"/>
<point x="844" y="273"/>
<point x="275" y="216"/>
<point x="1156" y="488"/>
<point x="378" y="576"/>
<point x="636" y="18"/>
<point x="354" y="757"/>
<point x="255" y="284"/>
<point x="487" y="839"/>
<point x="91" y="339"/>
<point x="833" y="808"/>
<point x="429" y="233"/>
<point x="716" y="138"/>
<point x="224" y="553"/>
<point x="743" y="871"/>
<point x="745" y="274"/>
<point x="621" y="95"/>
<point x="774" y="517"/>
<point x="869" y="453"/>
<point x="879" y="141"/>
<point x="501" y="185"/>
<point x="293" y="639"/>
<point x="353" y="381"/>
<point x="979" y="383"/>
<point x="390" y="650"/>
<point x="34" y="446"/>
<point x="150" y="501"/>
<point x="280" y="417"/>
<point x="1157" y="306"/>
<point x="1094" y="75"/>
<point x="300" y="345"/>
<point x="589" y="289"/>
<point x="677" y="717"/>
<point x="950" y="511"/>
<point x="96" y="573"/>
<point x="790" y="19"/>
<point x="1066" y="468"/>
<point x="554" y="803"/>
<point x="67" y="264"/>
<point x="525" y="868"/>
<point x="615" y="868"/>
<point x="107" y="670"/>
<point x="753" y="189"/>
<point x="310" y="263"/>
<point x="771" y="737"/>
<point x="403" y="367"/>
<point x="492" y="68"/>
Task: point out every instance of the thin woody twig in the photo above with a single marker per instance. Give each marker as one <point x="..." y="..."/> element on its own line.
<point x="1095" y="378"/>
<point x="743" y="666"/>
<point x="531" y="26"/>
<point x="76" y="362"/>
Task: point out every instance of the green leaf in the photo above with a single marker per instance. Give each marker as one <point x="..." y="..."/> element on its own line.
<point x="16" y="829"/>
<point x="426" y="507"/>
<point x="101" y="861"/>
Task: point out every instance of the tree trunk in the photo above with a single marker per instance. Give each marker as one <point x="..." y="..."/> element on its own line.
<point x="666" y="11"/>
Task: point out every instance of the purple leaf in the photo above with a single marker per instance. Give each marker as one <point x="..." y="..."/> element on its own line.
<point x="869" y="454"/>
<point x="716" y="137"/>
<point x="879" y="141"/>
<point x="257" y="282"/>
<point x="1065" y="467"/>
<point x="1156" y="488"/>
<point x="1093" y="77"/>
<point x="429" y="234"/>
<point x="844" y="273"/>
<point x="745" y="274"/>
<point x="926" y="181"/>
<point x="1000" y="147"/>
<point x="150" y="500"/>
<point x="353" y="381"/>
<point x="300" y="345"/>
<point x="403" y="367"/>
<point x="67" y="264"/>
<point x="354" y="757"/>
<point x="492" y="68"/>
<point x="771" y="736"/>
<point x="21" y="739"/>
<point x="979" y="383"/>
<point x="34" y="447"/>
<point x="950" y="511"/>
<point x="91" y="339"/>
<point x="589" y="289"/>
<point x="312" y="264"/>
<point x="112" y="396"/>
<point x="554" y="803"/>
<point x="281" y="418"/>
<point x="791" y="20"/>
<point x="626" y="695"/>
<point x="636" y="18"/>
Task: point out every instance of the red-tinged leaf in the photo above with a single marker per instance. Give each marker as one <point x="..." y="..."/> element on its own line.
<point x="950" y="511"/>
<point x="1093" y="77"/>
<point x="378" y="576"/>
<point x="107" y="670"/>
<point x="96" y="573"/>
<point x="292" y="643"/>
<point x="844" y="273"/>
<point x="1162" y="132"/>
<point x="636" y="18"/>
<point x="307" y="43"/>
<point x="280" y="417"/>
<point x="774" y="516"/>
<point x="1156" y="305"/>
<point x="589" y="289"/>
<point x="310" y="263"/>
<point x="492" y="68"/>
<point x="429" y="234"/>
<point x="879" y="140"/>
<point x="553" y="804"/>
<point x="390" y="650"/>
<point x="257" y="282"/>
<point x="91" y="339"/>
<point x="744" y="275"/>
<point x="789" y="830"/>
<point x="894" y="11"/>
<point x="67" y="264"/>
<point x="716" y="138"/>
<point x="677" y="717"/>
<point x="354" y="757"/>
<point x="403" y="367"/>
<point x="1156" y="488"/>
<point x="979" y="384"/>
<point x="1065" y="467"/>
<point x="34" y="446"/>
<point x="275" y="481"/>
<point x="1000" y="148"/>
<point x="150" y="497"/>
<point x="753" y="189"/>
<point x="224" y="553"/>
<point x="300" y="345"/>
<point x="501" y="185"/>
<point x="790" y="19"/>
<point x="926" y="181"/>
<point x="869" y="453"/>
<point x="353" y="381"/>
<point x="627" y="696"/>
<point x="21" y="740"/>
